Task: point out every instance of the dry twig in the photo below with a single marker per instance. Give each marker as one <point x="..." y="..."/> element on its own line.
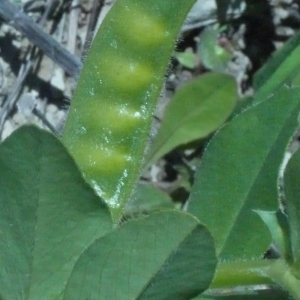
<point x="23" y="73"/>
<point x="21" y="22"/>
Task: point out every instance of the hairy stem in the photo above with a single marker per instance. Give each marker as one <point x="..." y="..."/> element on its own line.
<point x="256" y="272"/>
<point x="281" y="273"/>
<point x="241" y="273"/>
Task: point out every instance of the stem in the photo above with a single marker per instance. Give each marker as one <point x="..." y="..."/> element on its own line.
<point x="281" y="273"/>
<point x="256" y="272"/>
<point x="242" y="273"/>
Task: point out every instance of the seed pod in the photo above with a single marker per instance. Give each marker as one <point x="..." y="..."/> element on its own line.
<point x="112" y="109"/>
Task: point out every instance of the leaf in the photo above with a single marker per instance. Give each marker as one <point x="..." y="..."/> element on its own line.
<point x="238" y="173"/>
<point x="187" y="59"/>
<point x="197" y="109"/>
<point x="166" y="256"/>
<point x="242" y="105"/>
<point x="213" y="56"/>
<point x="146" y="198"/>
<point x="278" y="226"/>
<point x="48" y="215"/>
<point x="295" y="268"/>
<point x="112" y="109"/>
<point x="282" y="68"/>
<point x="292" y="194"/>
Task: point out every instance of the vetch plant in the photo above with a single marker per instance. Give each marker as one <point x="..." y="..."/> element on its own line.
<point x="62" y="200"/>
<point x="121" y="81"/>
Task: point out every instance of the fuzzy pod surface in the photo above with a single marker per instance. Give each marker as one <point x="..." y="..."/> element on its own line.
<point x="111" y="112"/>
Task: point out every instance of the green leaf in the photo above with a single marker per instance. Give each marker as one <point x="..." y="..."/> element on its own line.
<point x="197" y="109"/>
<point x="187" y="59"/>
<point x="213" y="56"/>
<point x="282" y="68"/>
<point x="242" y="105"/>
<point x="112" y="109"/>
<point x="146" y="198"/>
<point x="278" y="225"/>
<point x="238" y="173"/>
<point x="166" y="256"/>
<point x="295" y="268"/>
<point x="292" y="194"/>
<point x="48" y="216"/>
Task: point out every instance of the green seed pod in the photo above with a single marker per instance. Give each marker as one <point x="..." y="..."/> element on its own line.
<point x="112" y="109"/>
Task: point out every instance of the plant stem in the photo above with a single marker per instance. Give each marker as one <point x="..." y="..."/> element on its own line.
<point x="281" y="273"/>
<point x="241" y="273"/>
<point x="256" y="272"/>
